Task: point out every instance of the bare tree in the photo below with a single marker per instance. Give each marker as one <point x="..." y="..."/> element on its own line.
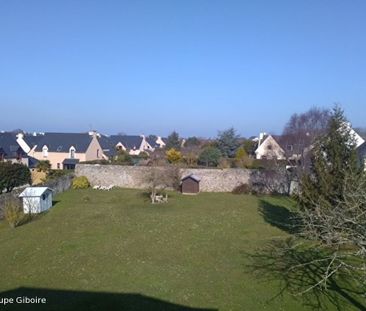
<point x="161" y="178"/>
<point x="301" y="131"/>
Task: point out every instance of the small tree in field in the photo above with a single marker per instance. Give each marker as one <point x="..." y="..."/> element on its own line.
<point x="161" y="178"/>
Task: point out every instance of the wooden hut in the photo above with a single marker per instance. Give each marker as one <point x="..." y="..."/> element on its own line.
<point x="190" y="184"/>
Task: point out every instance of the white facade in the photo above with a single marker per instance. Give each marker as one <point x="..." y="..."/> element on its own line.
<point x="269" y="149"/>
<point x="36" y="199"/>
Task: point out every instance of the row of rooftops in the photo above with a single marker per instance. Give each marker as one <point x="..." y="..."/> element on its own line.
<point x="11" y="142"/>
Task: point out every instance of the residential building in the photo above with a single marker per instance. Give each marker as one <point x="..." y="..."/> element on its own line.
<point x="65" y="150"/>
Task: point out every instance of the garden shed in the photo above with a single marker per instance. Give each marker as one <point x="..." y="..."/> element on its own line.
<point x="36" y="199"/>
<point x="190" y="184"/>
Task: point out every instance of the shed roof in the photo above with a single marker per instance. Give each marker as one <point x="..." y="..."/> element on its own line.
<point x="34" y="191"/>
<point x="192" y="176"/>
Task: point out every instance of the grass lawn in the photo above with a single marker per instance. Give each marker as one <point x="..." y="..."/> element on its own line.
<point x="114" y="250"/>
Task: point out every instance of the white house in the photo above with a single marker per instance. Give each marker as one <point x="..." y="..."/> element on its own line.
<point x="269" y="148"/>
<point x="36" y="199"/>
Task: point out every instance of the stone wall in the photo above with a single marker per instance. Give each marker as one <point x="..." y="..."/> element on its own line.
<point x="212" y="180"/>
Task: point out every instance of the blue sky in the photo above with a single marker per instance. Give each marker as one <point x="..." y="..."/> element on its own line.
<point x="194" y="66"/>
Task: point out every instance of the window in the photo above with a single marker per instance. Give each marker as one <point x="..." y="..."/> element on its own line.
<point x="45" y="151"/>
<point x="58" y="166"/>
<point x="290" y="147"/>
<point x="97" y="153"/>
<point x="72" y="153"/>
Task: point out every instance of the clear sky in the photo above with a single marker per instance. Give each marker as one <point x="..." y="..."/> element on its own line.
<point x="196" y="66"/>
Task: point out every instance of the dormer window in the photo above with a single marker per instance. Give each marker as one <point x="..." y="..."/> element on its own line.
<point x="45" y="151"/>
<point x="72" y="152"/>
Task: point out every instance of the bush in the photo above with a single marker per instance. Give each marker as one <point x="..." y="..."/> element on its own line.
<point x="224" y="163"/>
<point x="80" y="183"/>
<point x="242" y="189"/>
<point x="123" y="158"/>
<point x="173" y="156"/>
<point x="13" y="213"/>
<point x="43" y="166"/>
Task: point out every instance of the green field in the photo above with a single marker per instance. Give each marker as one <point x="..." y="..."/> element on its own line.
<point x="97" y="250"/>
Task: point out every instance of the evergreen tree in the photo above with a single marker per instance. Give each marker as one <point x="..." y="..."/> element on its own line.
<point x="334" y="157"/>
<point x="228" y="142"/>
<point x="173" y="141"/>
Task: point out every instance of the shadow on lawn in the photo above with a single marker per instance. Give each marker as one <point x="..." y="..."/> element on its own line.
<point x="82" y="300"/>
<point x="298" y="269"/>
<point x="278" y="216"/>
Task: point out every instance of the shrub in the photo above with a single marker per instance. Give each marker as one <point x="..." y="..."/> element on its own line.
<point x="13" y="213"/>
<point x="242" y="159"/>
<point x="224" y="163"/>
<point x="173" y="156"/>
<point x="43" y="166"/>
<point x="191" y="159"/>
<point x="80" y="183"/>
<point x="242" y="189"/>
<point x="123" y="158"/>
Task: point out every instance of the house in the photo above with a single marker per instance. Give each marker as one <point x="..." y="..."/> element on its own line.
<point x="156" y="141"/>
<point x="133" y="144"/>
<point x="10" y="150"/>
<point x="190" y="184"/>
<point x="36" y="199"/>
<point x="269" y="148"/>
<point x="65" y="150"/>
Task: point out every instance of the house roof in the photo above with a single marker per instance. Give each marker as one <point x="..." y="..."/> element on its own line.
<point x="10" y="147"/>
<point x="109" y="143"/>
<point x="61" y="142"/>
<point x="32" y="162"/>
<point x="152" y="142"/>
<point x="32" y="140"/>
<point x="192" y="176"/>
<point x="34" y="191"/>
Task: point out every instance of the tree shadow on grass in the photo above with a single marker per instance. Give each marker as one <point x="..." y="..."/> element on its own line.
<point x="297" y="269"/>
<point x="279" y="216"/>
<point x="83" y="300"/>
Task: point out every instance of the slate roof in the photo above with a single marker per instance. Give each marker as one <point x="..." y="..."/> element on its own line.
<point x="32" y="140"/>
<point x="9" y="145"/>
<point x="61" y="142"/>
<point x="109" y="143"/>
<point x="152" y="142"/>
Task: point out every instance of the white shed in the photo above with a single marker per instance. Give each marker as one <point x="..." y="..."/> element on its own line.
<point x="36" y="199"/>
